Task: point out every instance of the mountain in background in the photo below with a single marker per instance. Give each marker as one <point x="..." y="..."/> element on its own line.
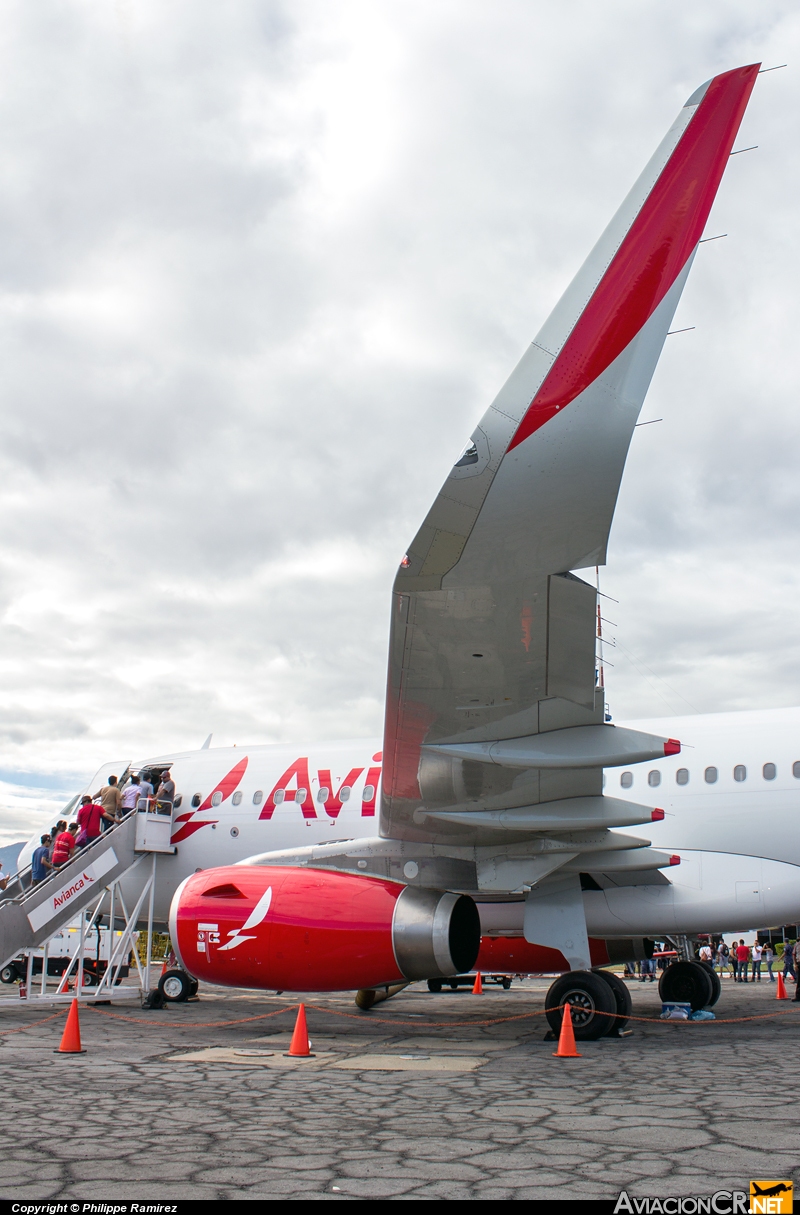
<point x="8" y="855"/>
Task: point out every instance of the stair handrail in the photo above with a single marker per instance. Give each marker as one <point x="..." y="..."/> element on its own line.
<point x="81" y="852"/>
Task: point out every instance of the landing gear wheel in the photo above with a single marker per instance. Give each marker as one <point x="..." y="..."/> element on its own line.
<point x="506" y="983"/>
<point x="176" y="986"/>
<point x="434" y="985"/>
<point x="688" y="982"/>
<point x="716" y="985"/>
<point x="622" y="997"/>
<point x="592" y="1004"/>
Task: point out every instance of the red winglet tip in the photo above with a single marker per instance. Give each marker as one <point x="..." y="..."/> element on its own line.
<point x="674" y="860"/>
<point x="657" y="815"/>
<point x="672" y="747"/>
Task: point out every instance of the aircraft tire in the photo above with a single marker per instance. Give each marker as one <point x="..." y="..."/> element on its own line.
<point x="688" y="982"/>
<point x="175" y="986"/>
<point x="622" y="997"/>
<point x="592" y="1004"/>
<point x="716" y="984"/>
<point x="434" y="985"/>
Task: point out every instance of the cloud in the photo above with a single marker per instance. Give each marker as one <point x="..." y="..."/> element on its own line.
<point x="261" y="271"/>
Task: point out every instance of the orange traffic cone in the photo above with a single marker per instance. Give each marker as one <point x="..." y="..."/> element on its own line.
<point x="300" y="1045"/>
<point x="566" y="1039"/>
<point x="477" y="986"/>
<point x="781" y="992"/>
<point x="71" y="1038"/>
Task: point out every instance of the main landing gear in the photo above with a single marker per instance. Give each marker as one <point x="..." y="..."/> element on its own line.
<point x="599" y="1004"/>
<point x="695" y="983"/>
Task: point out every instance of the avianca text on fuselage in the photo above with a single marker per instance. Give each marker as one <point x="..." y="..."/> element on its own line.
<point x="294" y="785"/>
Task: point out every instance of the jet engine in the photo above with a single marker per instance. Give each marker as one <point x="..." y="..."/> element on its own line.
<point x="296" y="929"/>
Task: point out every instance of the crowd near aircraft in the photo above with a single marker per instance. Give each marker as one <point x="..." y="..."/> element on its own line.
<point x="490" y="827"/>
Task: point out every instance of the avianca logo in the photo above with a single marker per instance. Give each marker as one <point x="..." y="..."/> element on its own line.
<point x="256" y="917"/>
<point x="60" y="899"/>
<point x="225" y="788"/>
<point x="301" y="794"/>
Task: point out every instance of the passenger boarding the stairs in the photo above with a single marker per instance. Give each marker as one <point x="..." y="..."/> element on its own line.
<point x="166" y="794"/>
<point x="40" y="861"/>
<point x="131" y="794"/>
<point x="64" y="846"/>
<point x="109" y="797"/>
<point x="90" y="820"/>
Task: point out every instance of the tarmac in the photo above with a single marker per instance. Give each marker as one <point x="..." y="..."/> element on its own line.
<point x="420" y="1098"/>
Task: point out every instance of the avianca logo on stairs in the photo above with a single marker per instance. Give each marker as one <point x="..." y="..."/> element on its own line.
<point x="294" y="785"/>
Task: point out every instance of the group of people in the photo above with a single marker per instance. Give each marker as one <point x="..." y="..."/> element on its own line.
<point x="95" y="815"/>
<point x="738" y="957"/>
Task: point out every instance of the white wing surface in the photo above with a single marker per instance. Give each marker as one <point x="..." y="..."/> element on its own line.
<point x="494" y="726"/>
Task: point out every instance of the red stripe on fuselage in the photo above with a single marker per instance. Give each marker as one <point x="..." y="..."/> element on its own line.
<point x="653" y="253"/>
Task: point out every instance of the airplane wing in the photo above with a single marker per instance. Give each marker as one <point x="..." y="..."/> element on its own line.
<point x="495" y="738"/>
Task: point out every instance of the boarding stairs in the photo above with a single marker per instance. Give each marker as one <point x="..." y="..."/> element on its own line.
<point x="85" y="888"/>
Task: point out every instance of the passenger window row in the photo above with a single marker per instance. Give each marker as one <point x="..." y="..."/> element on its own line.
<point x="300" y="796"/>
<point x="710" y="775"/>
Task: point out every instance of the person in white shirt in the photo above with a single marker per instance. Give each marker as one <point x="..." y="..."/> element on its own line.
<point x="131" y="794"/>
<point x="756" y="952"/>
<point x="705" y="953"/>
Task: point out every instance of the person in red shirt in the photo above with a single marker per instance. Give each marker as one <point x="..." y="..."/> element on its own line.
<point x="742" y="957"/>
<point x="90" y="818"/>
<point x="64" y="845"/>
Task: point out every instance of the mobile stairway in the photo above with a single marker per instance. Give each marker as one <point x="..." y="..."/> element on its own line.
<point x="83" y="890"/>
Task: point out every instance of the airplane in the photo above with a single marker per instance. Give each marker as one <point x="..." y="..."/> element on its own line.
<point x="488" y="828"/>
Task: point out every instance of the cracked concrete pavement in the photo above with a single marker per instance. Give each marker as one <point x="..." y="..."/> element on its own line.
<point x="672" y="1109"/>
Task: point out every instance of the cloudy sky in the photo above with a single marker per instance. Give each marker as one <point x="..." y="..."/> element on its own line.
<point x="262" y="268"/>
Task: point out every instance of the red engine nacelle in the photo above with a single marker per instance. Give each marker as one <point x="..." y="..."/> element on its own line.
<point x="515" y="955"/>
<point x="317" y="930"/>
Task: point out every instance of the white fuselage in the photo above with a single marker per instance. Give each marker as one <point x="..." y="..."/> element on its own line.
<point x="737" y="838"/>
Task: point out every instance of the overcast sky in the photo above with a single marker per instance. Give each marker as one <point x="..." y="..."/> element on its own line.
<point x="262" y="268"/>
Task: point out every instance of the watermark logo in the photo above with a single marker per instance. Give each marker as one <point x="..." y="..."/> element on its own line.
<point x="765" y="1198"/>
<point x="771" y="1197"/>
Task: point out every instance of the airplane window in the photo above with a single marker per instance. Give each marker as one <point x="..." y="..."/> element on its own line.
<point x="654" y="778"/>
<point x="344" y="793"/>
<point x="368" y="794"/>
<point x="769" y="771"/>
<point x="300" y="796"/>
<point x="796" y="769"/>
<point x="258" y="797"/>
<point x="711" y="775"/>
<point x="322" y="794"/>
<point x="216" y="798"/>
<point x="178" y="801"/>
<point x="740" y="772"/>
<point x="682" y="776"/>
<point x="278" y="796"/>
<point x="626" y="780"/>
<point x="196" y="799"/>
<point x="237" y="797"/>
